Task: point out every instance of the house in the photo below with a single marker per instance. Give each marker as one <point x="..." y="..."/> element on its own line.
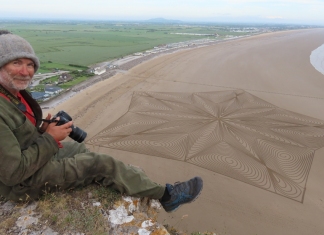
<point x="111" y="66"/>
<point x="99" y="70"/>
<point x="38" y="95"/>
<point x="90" y="70"/>
<point x="65" y="77"/>
<point x="52" y="90"/>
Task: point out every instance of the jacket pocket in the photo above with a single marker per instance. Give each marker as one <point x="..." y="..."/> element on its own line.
<point x="25" y="134"/>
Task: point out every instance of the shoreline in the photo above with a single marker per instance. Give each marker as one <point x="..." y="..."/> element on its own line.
<point x="271" y="67"/>
<point x="131" y="61"/>
<point x="317" y="59"/>
<point x="125" y="67"/>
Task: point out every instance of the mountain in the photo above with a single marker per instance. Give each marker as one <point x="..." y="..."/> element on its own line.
<point x="163" y="21"/>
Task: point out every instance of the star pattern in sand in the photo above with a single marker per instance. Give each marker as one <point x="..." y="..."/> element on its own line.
<point x="232" y="133"/>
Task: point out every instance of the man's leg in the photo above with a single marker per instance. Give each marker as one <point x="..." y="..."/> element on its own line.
<point x="70" y="149"/>
<point x="75" y="166"/>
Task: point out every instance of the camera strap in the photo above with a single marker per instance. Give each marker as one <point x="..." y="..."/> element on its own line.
<point x="13" y="99"/>
<point x="17" y="102"/>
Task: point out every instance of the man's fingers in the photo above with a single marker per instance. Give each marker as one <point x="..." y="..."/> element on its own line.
<point x="48" y="117"/>
<point x="67" y="125"/>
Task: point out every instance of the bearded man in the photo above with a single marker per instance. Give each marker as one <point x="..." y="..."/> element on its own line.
<point x="34" y="161"/>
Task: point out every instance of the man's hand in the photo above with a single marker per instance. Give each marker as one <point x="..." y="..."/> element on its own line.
<point x="59" y="132"/>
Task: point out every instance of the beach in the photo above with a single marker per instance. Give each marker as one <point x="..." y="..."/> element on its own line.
<point x="133" y="116"/>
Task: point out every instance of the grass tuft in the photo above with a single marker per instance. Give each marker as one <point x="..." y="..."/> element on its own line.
<point x="74" y="211"/>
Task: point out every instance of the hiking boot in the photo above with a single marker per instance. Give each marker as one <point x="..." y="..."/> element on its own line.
<point x="182" y="193"/>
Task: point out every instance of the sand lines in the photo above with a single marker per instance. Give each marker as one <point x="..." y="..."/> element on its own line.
<point x="229" y="132"/>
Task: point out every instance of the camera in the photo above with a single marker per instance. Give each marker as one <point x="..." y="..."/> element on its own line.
<point x="76" y="134"/>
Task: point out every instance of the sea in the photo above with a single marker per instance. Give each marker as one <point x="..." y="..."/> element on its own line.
<point x="317" y="59"/>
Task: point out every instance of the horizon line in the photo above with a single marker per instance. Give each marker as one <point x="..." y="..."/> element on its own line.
<point x="164" y="20"/>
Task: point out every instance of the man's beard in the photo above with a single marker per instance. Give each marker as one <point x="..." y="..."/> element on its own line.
<point x="11" y="81"/>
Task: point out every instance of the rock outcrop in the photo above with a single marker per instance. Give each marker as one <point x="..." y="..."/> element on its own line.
<point x="128" y="216"/>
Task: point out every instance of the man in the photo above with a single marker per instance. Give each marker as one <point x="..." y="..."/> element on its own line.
<point x="32" y="158"/>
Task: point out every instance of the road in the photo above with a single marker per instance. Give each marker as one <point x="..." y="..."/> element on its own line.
<point x="40" y="77"/>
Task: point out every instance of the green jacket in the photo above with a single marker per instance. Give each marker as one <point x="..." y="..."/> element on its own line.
<point x="23" y="150"/>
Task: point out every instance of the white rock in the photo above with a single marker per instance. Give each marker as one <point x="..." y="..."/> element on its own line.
<point x="29" y="210"/>
<point x="8" y="206"/>
<point x="156" y="204"/>
<point x="24" y="221"/>
<point x="96" y="204"/>
<point x="119" y="216"/>
<point x="131" y="206"/>
<point x="143" y="231"/>
<point x="147" y="223"/>
<point x="128" y="199"/>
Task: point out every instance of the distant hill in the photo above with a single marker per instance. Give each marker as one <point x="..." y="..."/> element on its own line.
<point x="162" y="20"/>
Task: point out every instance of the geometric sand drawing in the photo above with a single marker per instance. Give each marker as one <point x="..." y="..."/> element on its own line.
<point x="232" y="133"/>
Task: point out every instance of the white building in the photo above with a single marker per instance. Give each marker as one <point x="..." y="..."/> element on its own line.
<point x="99" y="70"/>
<point x="52" y="90"/>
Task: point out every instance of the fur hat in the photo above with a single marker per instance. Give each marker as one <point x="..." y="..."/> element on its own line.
<point x="14" y="47"/>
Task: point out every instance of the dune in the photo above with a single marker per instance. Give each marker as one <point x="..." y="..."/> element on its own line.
<point x="246" y="115"/>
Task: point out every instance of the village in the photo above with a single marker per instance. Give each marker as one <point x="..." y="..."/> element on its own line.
<point x="106" y="69"/>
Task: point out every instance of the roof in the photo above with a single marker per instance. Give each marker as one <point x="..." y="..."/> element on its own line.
<point x="37" y="95"/>
<point x="52" y="88"/>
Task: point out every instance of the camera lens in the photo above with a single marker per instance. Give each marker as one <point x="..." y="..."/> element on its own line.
<point x="77" y="134"/>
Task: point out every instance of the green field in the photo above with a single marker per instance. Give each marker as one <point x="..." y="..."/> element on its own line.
<point x="87" y="43"/>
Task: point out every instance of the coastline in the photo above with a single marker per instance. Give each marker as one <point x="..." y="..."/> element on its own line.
<point x="131" y="61"/>
<point x="267" y="66"/>
<point x="125" y="64"/>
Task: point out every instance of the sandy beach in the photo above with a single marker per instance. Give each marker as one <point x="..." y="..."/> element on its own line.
<point x="246" y="115"/>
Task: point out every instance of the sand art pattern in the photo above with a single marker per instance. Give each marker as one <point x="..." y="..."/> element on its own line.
<point x="232" y="133"/>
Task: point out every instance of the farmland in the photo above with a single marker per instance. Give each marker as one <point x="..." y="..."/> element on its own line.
<point x="87" y="43"/>
<point x="77" y="45"/>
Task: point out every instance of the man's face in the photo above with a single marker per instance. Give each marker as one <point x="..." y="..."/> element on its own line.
<point x="17" y="74"/>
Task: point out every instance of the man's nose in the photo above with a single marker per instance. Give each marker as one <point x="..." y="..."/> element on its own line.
<point x="24" y="70"/>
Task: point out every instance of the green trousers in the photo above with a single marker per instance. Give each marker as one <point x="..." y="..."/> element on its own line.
<point x="75" y="166"/>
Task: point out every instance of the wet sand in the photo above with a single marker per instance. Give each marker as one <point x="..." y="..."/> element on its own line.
<point x="274" y="67"/>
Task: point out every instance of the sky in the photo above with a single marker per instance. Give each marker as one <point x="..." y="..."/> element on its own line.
<point x="285" y="11"/>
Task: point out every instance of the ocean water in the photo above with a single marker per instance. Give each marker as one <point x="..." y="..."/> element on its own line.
<point x="317" y="59"/>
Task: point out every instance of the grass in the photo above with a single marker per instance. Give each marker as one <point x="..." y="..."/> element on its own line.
<point x="49" y="66"/>
<point x="68" y="212"/>
<point x="87" y="43"/>
<point x="7" y="221"/>
<point x="73" y="82"/>
<point x="73" y="210"/>
<point x="50" y="80"/>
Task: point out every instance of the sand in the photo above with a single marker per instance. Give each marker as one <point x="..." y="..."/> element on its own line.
<point x="272" y="68"/>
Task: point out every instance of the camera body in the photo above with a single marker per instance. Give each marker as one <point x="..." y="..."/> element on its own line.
<point x="76" y="134"/>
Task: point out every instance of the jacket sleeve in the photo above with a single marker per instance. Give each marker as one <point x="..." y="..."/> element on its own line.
<point x="23" y="151"/>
